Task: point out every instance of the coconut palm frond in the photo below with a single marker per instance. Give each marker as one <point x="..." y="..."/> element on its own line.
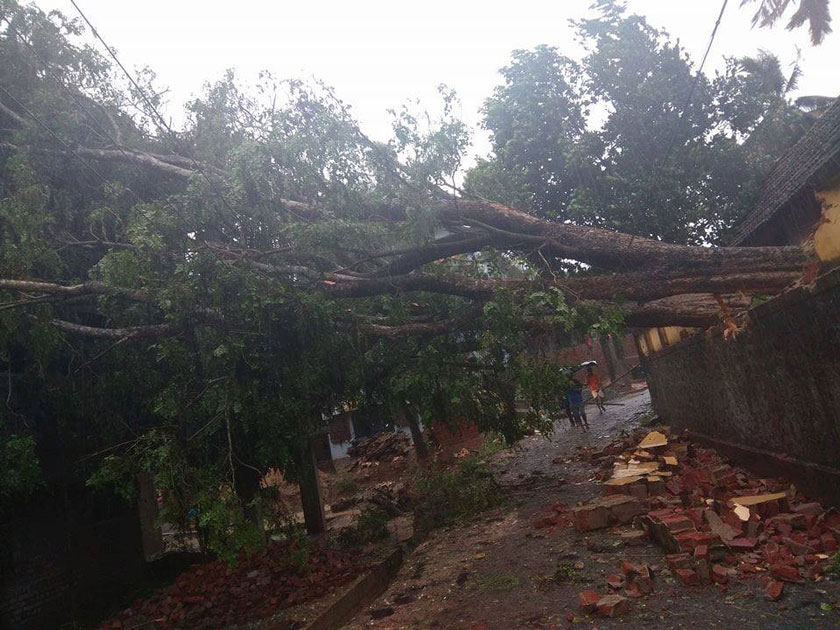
<point x="815" y="12"/>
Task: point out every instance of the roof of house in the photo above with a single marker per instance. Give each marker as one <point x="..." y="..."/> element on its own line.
<point x="808" y="164"/>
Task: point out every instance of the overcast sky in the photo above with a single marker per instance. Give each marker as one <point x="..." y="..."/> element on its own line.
<point x="377" y="53"/>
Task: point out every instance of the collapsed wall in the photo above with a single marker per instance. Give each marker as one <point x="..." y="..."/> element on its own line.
<point x="772" y="394"/>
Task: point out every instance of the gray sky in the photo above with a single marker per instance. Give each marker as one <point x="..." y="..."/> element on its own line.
<point x="377" y="53"/>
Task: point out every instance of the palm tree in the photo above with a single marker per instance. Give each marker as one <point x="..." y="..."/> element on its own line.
<point x="815" y="12"/>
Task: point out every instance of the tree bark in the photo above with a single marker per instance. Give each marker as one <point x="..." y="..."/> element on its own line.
<point x="411" y="416"/>
<point x="310" y="489"/>
<point x="690" y="310"/>
<point x="635" y="286"/>
<point x="605" y="249"/>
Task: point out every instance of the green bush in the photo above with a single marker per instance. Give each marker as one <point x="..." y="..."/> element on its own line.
<point x="346" y="485"/>
<point x="449" y="496"/>
<point x="371" y="526"/>
<point x="834" y="568"/>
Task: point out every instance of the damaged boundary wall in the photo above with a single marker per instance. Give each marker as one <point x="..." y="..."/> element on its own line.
<point x="770" y="397"/>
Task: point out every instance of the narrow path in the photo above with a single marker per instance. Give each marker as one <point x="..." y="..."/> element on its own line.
<point x="497" y="572"/>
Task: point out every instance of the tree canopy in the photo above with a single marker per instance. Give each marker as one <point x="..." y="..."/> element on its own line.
<point x="633" y="138"/>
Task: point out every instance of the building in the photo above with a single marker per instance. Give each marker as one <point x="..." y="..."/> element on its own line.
<point x="799" y="204"/>
<point x="771" y="395"/>
<point x="800" y="199"/>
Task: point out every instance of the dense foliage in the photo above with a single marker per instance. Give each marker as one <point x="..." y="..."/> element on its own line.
<point x="632" y="137"/>
<point x="197" y="304"/>
<point x="195" y="235"/>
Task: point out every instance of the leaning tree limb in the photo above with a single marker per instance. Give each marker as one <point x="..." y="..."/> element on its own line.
<point x="132" y="332"/>
<point x="693" y="310"/>
<point x="610" y="250"/>
<point x="506" y="227"/>
<point x="634" y="286"/>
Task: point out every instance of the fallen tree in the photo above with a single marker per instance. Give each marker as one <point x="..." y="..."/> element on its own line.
<point x="201" y="303"/>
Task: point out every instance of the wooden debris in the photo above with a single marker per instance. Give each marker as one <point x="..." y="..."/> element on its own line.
<point x="758" y="499"/>
<point x="654" y="439"/>
<point x="670" y="460"/>
<point x="635" y="470"/>
<point x="743" y="512"/>
<point x="622" y="481"/>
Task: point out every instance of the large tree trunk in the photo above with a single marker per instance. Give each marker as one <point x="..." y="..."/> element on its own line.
<point x="690" y="310"/>
<point x="636" y="286"/>
<point x="310" y="489"/>
<point x="412" y="418"/>
<point x="613" y="250"/>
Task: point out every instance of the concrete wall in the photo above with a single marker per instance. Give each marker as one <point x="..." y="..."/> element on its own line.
<point x="774" y="391"/>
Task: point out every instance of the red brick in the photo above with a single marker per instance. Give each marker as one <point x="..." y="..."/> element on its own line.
<point x="770" y="550"/>
<point x="588" y="600"/>
<point x="720" y="574"/>
<point x="773" y="590"/>
<point x="785" y="572"/>
<point x="589" y="517"/>
<point x="631" y="568"/>
<point x="795" y="521"/>
<point x="622" y="509"/>
<point x="742" y="544"/>
<point x="797" y="548"/>
<point x="635" y="538"/>
<point x="679" y="561"/>
<point x="673" y="486"/>
<point x="632" y="590"/>
<point x="696" y="516"/>
<point x="689" y="540"/>
<point x="612" y="605"/>
<point x="688" y="577"/>
<point x="733" y="520"/>
<point x="829" y="543"/>
<point x="809" y="508"/>
<point x="678" y="523"/>
<point x="701" y="552"/>
<point x="644" y="583"/>
<point x="615" y="580"/>
<point x="545" y="521"/>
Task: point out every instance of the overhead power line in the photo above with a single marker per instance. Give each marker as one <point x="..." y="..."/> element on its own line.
<point x="684" y="109"/>
<point x="52" y="133"/>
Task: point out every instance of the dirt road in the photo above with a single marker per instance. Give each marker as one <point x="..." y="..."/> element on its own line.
<point x="501" y="573"/>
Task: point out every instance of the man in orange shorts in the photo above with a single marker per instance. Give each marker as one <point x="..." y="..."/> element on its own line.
<point x="593" y="381"/>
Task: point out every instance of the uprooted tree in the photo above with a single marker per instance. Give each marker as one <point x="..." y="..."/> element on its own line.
<point x="196" y="304"/>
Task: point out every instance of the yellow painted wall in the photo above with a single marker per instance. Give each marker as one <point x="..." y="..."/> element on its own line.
<point x="672" y="333"/>
<point x="652" y="339"/>
<point x="827" y="236"/>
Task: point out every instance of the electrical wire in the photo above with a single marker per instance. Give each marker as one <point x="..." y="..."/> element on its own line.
<point x="693" y="85"/>
<point x="154" y="111"/>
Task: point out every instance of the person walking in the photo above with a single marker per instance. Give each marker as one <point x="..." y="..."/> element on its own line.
<point x="574" y="395"/>
<point x="593" y="381"/>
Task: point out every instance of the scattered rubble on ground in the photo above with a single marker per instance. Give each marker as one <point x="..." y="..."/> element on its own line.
<point x="215" y="595"/>
<point x="382" y="447"/>
<point x="715" y="521"/>
<point x="392" y="496"/>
